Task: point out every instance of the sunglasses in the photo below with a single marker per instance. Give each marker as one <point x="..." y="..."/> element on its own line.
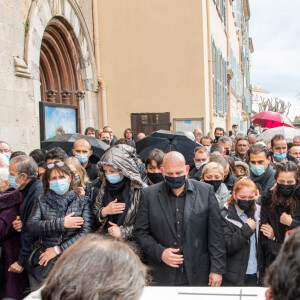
<point x="58" y="163"/>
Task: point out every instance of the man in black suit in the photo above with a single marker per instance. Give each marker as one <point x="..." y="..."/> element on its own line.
<point x="178" y="227"/>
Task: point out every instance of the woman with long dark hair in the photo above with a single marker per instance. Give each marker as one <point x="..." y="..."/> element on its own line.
<point x="61" y="215"/>
<point x="280" y="212"/>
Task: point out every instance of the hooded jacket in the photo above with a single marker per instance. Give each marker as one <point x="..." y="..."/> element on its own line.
<point x="121" y="158"/>
<point x="222" y="195"/>
<point x="245" y="166"/>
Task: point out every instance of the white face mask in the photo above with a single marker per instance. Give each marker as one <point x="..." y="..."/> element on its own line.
<point x="199" y="165"/>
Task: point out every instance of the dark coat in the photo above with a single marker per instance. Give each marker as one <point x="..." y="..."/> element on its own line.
<point x="195" y="173"/>
<point x="270" y="248"/>
<point x="43" y="222"/>
<point x="237" y="238"/>
<point x="203" y="241"/>
<point x="35" y="190"/>
<point x="265" y="181"/>
<point x="92" y="171"/>
<point x="230" y="181"/>
<point x="12" y="284"/>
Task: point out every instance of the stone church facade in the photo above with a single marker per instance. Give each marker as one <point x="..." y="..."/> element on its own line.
<point x="46" y="55"/>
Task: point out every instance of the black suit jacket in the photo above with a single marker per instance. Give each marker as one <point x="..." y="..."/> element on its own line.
<point x="204" y="247"/>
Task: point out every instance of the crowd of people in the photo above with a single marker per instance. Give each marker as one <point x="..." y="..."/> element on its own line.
<point x="221" y="221"/>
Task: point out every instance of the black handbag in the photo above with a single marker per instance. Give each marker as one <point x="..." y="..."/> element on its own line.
<point x="32" y="266"/>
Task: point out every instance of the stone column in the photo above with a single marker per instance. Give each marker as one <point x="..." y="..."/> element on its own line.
<point x="80" y="96"/>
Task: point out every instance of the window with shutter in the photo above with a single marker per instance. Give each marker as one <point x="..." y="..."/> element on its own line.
<point x="213" y="57"/>
<point x="225" y="86"/>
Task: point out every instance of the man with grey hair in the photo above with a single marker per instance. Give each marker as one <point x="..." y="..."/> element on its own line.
<point x="23" y="172"/>
<point x="4" y="162"/>
<point x="179" y="228"/>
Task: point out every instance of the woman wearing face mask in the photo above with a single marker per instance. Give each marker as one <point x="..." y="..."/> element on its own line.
<point x="86" y="187"/>
<point x="240" y="220"/>
<point x="118" y="199"/>
<point x="213" y="174"/>
<point x="61" y="215"/>
<point x="280" y="212"/>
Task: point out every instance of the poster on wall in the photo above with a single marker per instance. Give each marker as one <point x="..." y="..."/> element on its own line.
<point x="187" y="124"/>
<point x="57" y="119"/>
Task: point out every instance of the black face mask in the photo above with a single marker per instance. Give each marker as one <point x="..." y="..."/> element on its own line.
<point x="245" y="205"/>
<point x="175" y="182"/>
<point x="215" y="183"/>
<point x="155" y="177"/>
<point x="286" y="189"/>
<point x="106" y="141"/>
<point x="217" y="138"/>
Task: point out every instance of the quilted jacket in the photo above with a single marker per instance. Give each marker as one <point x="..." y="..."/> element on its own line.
<point x="44" y="224"/>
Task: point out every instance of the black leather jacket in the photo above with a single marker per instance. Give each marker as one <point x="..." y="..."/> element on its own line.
<point x="43" y="222"/>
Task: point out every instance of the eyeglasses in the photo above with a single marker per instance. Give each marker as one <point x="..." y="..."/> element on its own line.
<point x="58" y="163"/>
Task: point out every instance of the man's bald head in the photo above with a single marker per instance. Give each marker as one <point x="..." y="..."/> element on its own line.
<point x="174" y="164"/>
<point x="82" y="143"/>
<point x="82" y="150"/>
<point x="295" y="151"/>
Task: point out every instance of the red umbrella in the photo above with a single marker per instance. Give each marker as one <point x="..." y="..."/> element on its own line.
<point x="271" y="119"/>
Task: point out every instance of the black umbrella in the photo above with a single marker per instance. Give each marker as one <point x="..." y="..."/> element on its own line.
<point x="66" y="141"/>
<point x="168" y="141"/>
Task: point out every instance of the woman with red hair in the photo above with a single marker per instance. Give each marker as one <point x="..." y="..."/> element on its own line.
<point x="240" y="224"/>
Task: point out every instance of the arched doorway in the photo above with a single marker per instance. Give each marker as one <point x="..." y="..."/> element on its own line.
<point x="60" y="74"/>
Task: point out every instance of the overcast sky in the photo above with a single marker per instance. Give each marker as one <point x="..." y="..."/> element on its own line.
<point x="275" y="30"/>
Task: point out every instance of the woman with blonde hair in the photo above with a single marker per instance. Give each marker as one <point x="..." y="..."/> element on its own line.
<point x="213" y="174"/>
<point x="80" y="176"/>
<point x="240" y="220"/>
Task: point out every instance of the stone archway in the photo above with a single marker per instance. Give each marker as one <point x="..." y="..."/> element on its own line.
<point x="59" y="64"/>
<point x="59" y="57"/>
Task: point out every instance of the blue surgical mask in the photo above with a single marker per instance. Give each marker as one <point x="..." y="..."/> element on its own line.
<point x="175" y="183"/>
<point x="12" y="181"/>
<point x="279" y="156"/>
<point x="114" y="178"/>
<point x="82" y="157"/>
<point x="7" y="155"/>
<point x="60" y="186"/>
<point x="257" y="170"/>
<point x="93" y="135"/>
<point x="208" y="148"/>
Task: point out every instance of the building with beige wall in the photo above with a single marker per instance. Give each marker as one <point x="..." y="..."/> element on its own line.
<point x="149" y="65"/>
<point x="175" y="57"/>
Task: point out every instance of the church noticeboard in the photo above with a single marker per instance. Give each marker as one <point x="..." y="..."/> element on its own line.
<point x="56" y="118"/>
